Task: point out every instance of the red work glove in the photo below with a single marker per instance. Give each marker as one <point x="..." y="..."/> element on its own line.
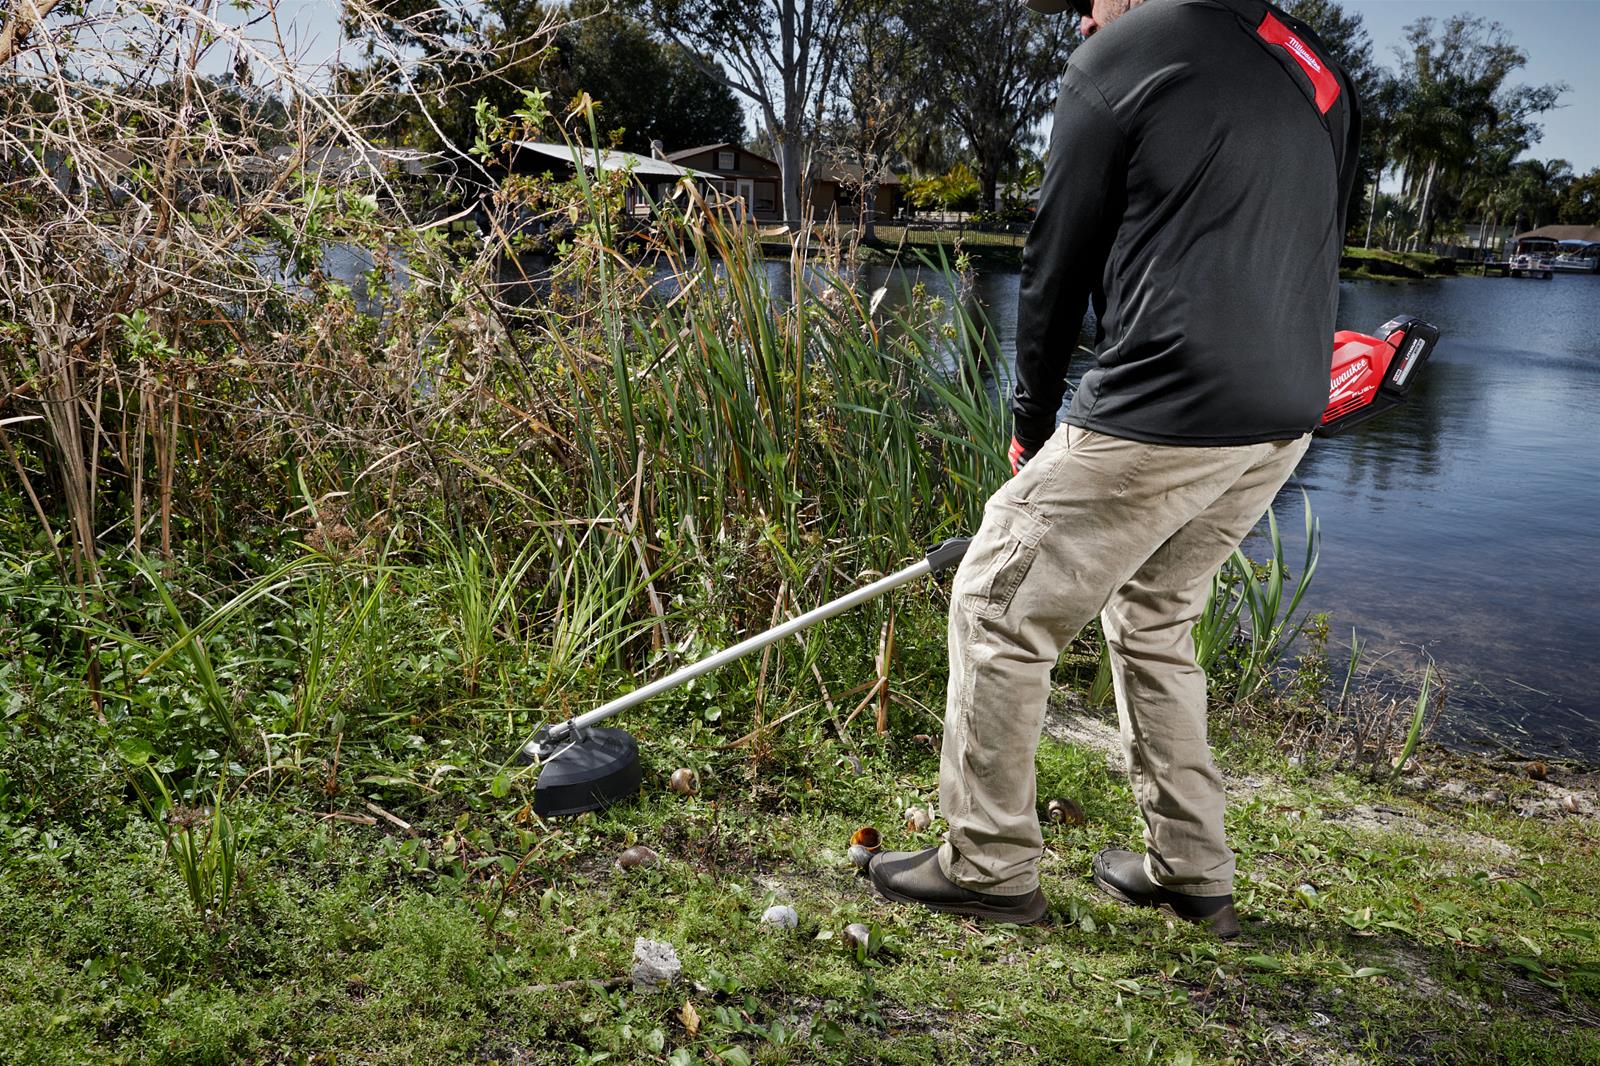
<point x="1019" y="455"/>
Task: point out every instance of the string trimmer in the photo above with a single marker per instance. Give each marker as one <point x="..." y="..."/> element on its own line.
<point x="584" y="768"/>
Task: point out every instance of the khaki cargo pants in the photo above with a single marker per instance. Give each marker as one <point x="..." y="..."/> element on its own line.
<point x="1132" y="532"/>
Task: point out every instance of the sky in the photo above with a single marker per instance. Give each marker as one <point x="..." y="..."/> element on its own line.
<point x="1559" y="37"/>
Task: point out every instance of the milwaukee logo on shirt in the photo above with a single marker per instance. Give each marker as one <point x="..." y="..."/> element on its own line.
<point x="1322" y="79"/>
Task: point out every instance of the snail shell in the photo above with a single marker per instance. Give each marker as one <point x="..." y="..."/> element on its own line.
<point x="683" y="782"/>
<point x="867" y="837"/>
<point x="780" y="915"/>
<point x="1063" y="811"/>
<point x="636" y="857"/>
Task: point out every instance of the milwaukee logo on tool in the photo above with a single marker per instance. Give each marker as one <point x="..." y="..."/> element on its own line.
<point x="1322" y="79"/>
<point x="1347" y="375"/>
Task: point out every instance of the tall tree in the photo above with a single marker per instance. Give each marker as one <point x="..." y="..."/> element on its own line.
<point x="1540" y="186"/>
<point x="1460" y="107"/>
<point x="649" y="89"/>
<point x="781" y="55"/>
<point x="1380" y="107"/>
<point x="875" y="99"/>
<point x="1581" y="204"/>
<point x="995" y="67"/>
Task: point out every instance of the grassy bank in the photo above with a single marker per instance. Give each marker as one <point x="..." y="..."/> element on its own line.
<point x="279" y="604"/>
<point x="415" y="912"/>
<point x="1377" y="264"/>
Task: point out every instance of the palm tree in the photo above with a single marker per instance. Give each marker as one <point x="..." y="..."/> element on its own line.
<point x="1460" y="116"/>
<point x="1432" y="137"/>
<point x="1383" y="105"/>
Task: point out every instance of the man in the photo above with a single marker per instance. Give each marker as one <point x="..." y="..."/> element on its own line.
<point x="1201" y="164"/>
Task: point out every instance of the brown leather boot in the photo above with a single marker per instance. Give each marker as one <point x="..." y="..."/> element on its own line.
<point x="1120" y="875"/>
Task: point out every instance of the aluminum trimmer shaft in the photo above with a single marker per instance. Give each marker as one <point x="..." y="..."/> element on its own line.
<point x="939" y="558"/>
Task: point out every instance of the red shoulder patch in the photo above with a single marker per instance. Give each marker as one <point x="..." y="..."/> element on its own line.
<point x="1322" y="79"/>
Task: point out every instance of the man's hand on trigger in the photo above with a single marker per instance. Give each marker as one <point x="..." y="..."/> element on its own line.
<point x="1019" y="454"/>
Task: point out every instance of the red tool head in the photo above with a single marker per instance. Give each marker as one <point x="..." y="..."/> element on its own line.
<point x="1372" y="374"/>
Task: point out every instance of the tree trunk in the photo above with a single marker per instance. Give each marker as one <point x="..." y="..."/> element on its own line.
<point x="1424" y="231"/>
<point x="791" y="166"/>
<point x="988" y="185"/>
<point x="1372" y="202"/>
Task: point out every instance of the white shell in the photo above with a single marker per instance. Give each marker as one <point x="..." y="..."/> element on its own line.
<point x="860" y="855"/>
<point x="781" y="916"/>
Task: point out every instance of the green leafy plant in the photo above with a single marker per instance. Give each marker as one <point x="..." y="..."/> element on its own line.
<point x="203" y="846"/>
<point x="1419" y="717"/>
<point x="1274" y="620"/>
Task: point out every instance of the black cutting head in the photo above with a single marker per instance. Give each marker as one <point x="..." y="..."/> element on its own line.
<point x="598" y="768"/>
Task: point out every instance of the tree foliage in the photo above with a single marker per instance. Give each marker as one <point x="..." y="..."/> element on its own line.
<point x="781" y="55"/>
<point x="1450" y="119"/>
<point x="988" y="69"/>
<point x="1580" y="205"/>
<point x="1461" y="120"/>
<point x="649" y="89"/>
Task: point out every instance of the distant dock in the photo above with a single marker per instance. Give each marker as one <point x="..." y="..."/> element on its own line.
<point x="1519" y="266"/>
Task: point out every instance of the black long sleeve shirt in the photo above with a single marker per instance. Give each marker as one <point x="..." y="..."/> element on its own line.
<point x="1200" y="169"/>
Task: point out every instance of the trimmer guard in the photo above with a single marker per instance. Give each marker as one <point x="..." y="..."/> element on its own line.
<point x="595" y="769"/>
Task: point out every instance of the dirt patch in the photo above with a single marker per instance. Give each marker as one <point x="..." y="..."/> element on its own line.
<point x="1377" y="818"/>
<point x="1068" y="720"/>
<point x="1314" y="1044"/>
<point x="1409" y="967"/>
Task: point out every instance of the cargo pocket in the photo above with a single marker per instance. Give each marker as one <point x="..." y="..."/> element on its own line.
<point x="1019" y="545"/>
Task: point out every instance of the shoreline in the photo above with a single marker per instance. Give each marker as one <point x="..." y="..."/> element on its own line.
<point x="1003" y="251"/>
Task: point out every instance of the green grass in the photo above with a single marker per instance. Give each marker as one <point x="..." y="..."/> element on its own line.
<point x="1470" y="942"/>
<point x="1378" y="264"/>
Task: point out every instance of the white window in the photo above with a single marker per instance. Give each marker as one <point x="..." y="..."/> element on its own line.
<point x="725" y="161"/>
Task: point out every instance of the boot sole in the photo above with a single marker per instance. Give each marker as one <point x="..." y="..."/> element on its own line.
<point x="1120" y="896"/>
<point x="1108" y="889"/>
<point x="1032" y="914"/>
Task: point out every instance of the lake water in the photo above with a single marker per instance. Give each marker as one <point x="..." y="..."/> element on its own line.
<point x="1463" y="526"/>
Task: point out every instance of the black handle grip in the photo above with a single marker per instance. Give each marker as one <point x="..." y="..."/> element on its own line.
<point x="943" y="556"/>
